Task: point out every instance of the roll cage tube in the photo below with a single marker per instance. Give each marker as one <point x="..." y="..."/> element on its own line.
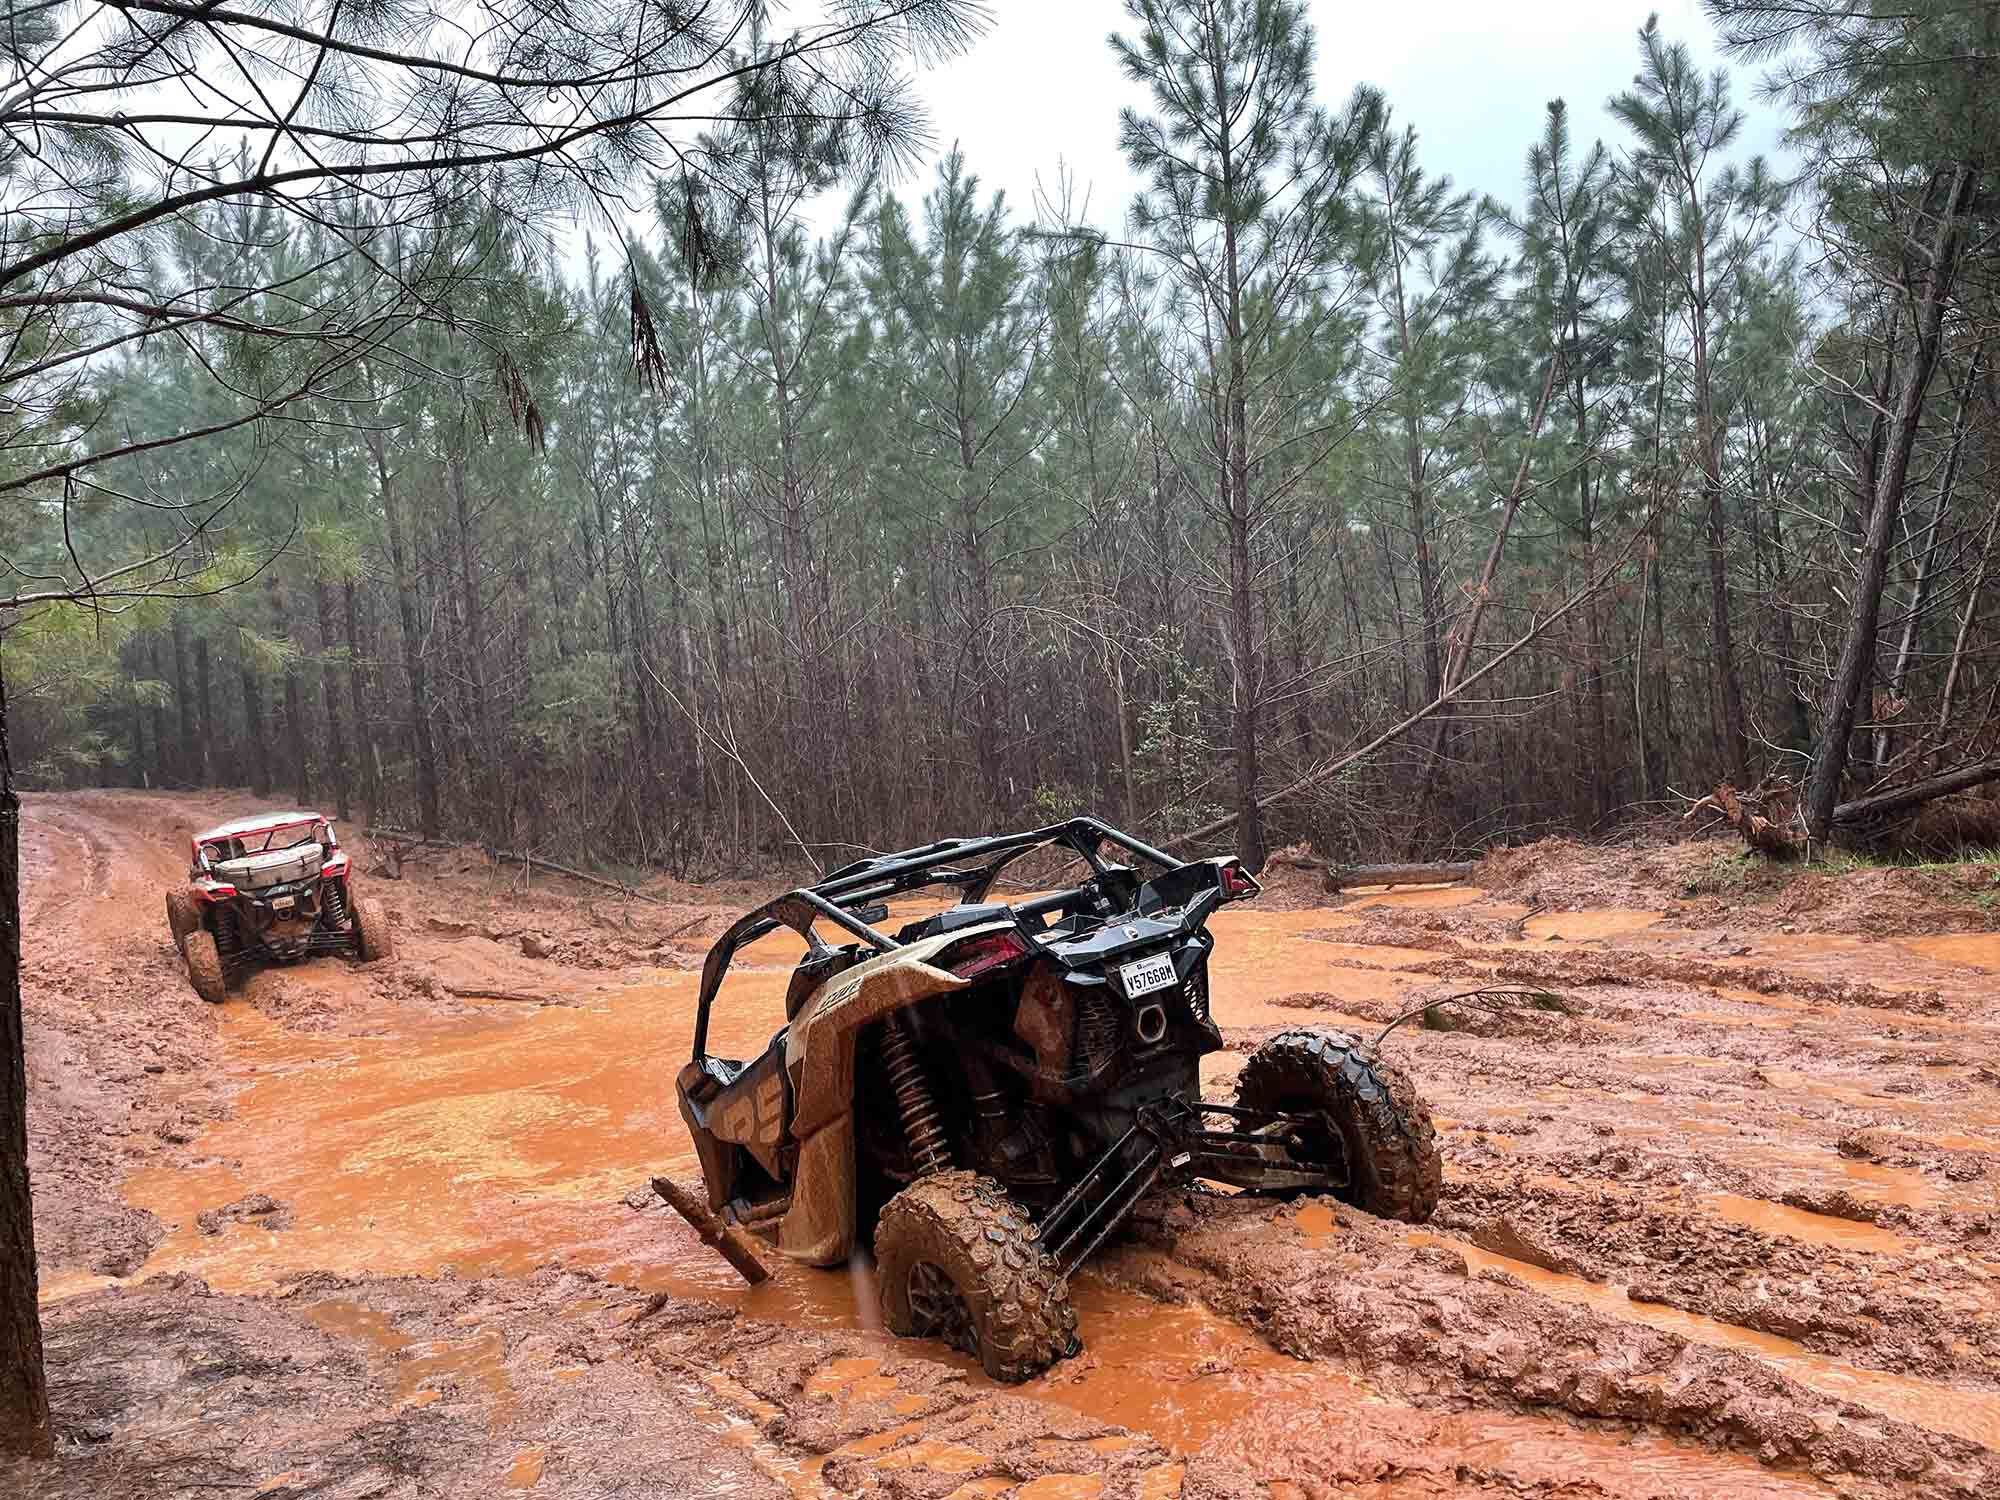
<point x="869" y="880"/>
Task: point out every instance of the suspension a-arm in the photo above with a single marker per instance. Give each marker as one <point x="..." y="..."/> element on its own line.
<point x="1169" y="1139"/>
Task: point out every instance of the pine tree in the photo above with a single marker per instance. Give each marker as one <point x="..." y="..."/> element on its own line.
<point x="1568" y="268"/>
<point x="1247" y="203"/>
<point x="1712" y="219"/>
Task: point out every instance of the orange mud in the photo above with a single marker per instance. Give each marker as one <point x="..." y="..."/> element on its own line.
<point x="1793" y="1177"/>
<point x="1978" y="950"/>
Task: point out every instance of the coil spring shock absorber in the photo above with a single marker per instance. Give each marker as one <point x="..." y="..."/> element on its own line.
<point x="929" y="1151"/>
<point x="228" y="935"/>
<point x="332" y="905"/>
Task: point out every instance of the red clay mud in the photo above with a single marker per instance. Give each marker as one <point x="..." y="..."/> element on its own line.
<point x="1726" y="1223"/>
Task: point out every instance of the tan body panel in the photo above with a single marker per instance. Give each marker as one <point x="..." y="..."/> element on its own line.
<point x="819" y="1227"/>
<point x="756" y="1122"/>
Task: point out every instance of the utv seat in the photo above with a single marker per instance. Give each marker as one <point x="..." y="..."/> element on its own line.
<point x="814" y="970"/>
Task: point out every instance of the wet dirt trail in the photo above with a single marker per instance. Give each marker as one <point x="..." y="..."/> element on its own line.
<point x="1724" y="1223"/>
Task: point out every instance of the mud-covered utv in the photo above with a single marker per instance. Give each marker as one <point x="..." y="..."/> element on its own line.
<point x="988" y="1092"/>
<point x="273" y="888"/>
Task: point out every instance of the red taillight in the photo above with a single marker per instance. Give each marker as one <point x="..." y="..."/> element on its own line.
<point x="335" y="866"/>
<point x="214" y="890"/>
<point x="1236" y="882"/>
<point x="980" y="955"/>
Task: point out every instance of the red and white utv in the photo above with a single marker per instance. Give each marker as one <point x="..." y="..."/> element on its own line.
<point x="273" y="888"/>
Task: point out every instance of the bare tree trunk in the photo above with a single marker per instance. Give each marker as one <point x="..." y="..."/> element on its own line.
<point x="1243" y="652"/>
<point x="136" y="770"/>
<point x="1301" y="699"/>
<point x="259" y="757"/>
<point x="423" y="745"/>
<point x="1965" y="619"/>
<point x="1124" y="741"/>
<point x="1771" y="536"/>
<point x="24" y="1392"/>
<point x="1857" y="656"/>
<point x="1927" y="557"/>
<point x="163" y="759"/>
<point x="357" y="687"/>
<point x="189" y="756"/>
<point x="1708" y="436"/>
<point x="329" y="691"/>
<point x="1464" y="639"/>
<point x="1735" y="732"/>
<point x="204" y="766"/>
<point x="295" y="722"/>
<point x="481" y="753"/>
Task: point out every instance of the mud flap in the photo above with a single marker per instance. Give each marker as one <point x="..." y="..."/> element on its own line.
<point x="818" y="1228"/>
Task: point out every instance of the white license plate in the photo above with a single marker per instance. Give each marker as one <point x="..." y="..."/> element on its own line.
<point x="1144" y="975"/>
<point x="282" y="903"/>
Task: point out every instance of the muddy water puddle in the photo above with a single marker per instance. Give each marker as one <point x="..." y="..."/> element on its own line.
<point x="1413" y="897"/>
<point x="425" y="1367"/>
<point x="1974" y="950"/>
<point x="1802" y="1224"/>
<point x="1592" y="926"/>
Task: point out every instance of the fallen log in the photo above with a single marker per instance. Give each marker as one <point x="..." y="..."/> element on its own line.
<point x="1882" y="804"/>
<point x="521" y="996"/>
<point x="727" y="1238"/>
<point x="514" y="857"/>
<point x="1437" y="873"/>
<point x="1777" y="838"/>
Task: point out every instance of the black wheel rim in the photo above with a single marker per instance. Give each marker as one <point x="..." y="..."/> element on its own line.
<point x="938" y="1311"/>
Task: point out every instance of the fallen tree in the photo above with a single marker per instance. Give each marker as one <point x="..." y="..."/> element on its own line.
<point x="1451" y="692"/>
<point x="1877" y="805"/>
<point x="1765" y="834"/>
<point x="407" y="839"/>
<point x="1778" y="831"/>
<point x="1434" y="873"/>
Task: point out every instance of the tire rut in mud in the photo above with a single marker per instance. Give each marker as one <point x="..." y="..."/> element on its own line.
<point x="1414" y="1321"/>
<point x="1918" y="1315"/>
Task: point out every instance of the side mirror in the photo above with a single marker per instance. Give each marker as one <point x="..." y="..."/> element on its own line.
<point x="871" y="914"/>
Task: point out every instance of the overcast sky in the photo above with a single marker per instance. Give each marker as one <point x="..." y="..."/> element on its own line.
<point x="1474" y="76"/>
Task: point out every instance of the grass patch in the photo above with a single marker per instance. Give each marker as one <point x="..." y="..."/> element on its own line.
<point x="1727" y="875"/>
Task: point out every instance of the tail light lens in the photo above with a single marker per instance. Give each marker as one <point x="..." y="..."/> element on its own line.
<point x="1236" y="882"/>
<point x="983" y="954"/>
<point x="335" y="866"/>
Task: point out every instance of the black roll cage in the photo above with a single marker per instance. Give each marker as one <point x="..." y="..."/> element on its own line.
<point x="837" y="897"/>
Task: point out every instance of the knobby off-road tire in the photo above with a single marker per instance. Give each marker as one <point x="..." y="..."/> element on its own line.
<point x="956" y="1259"/>
<point x="182" y="917"/>
<point x="204" y="961"/>
<point x="1393" y="1167"/>
<point x="371" y="929"/>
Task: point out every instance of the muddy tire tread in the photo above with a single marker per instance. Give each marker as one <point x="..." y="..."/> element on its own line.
<point x="182" y="918"/>
<point x="204" y="964"/>
<point x="967" y="1226"/>
<point x="1399" y="1171"/>
<point x="371" y="929"/>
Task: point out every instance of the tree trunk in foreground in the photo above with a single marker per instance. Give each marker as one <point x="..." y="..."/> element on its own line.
<point x="1857" y="657"/>
<point x="24" y="1392"/>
